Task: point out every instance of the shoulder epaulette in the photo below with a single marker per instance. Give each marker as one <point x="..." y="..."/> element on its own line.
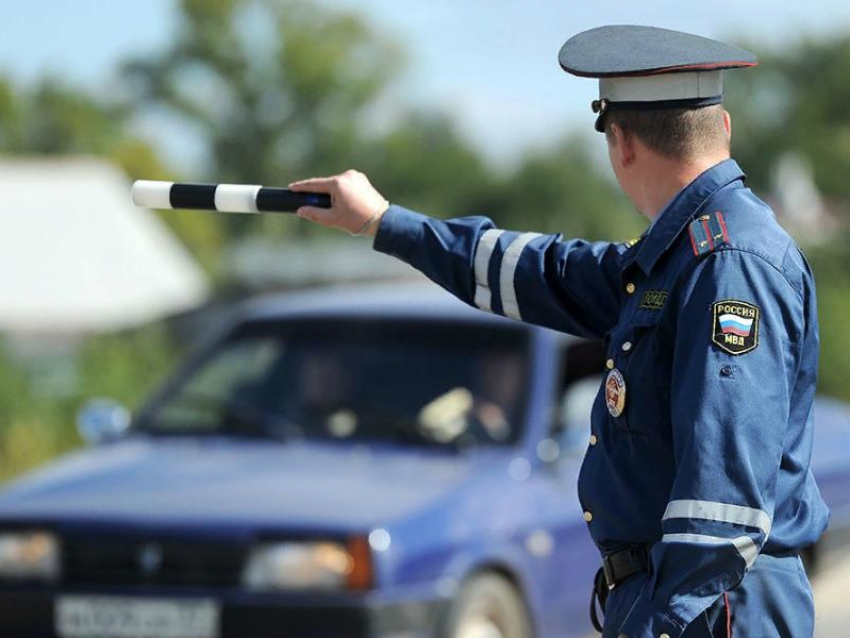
<point x="708" y="233"/>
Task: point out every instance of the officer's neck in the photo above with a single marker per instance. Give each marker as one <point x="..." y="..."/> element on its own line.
<point x="661" y="178"/>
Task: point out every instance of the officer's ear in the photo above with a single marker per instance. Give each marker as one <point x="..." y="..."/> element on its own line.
<point x="727" y="124"/>
<point x="621" y="146"/>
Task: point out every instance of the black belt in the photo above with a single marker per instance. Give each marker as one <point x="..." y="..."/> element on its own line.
<point x="621" y="565"/>
<point x="616" y="568"/>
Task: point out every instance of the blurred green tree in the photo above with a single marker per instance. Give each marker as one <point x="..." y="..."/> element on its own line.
<point x="35" y="426"/>
<point x="278" y="90"/>
<point x="829" y="263"/>
<point x="796" y="101"/>
<point x="273" y="90"/>
<point x="52" y="118"/>
<point x="424" y="164"/>
<point x="126" y="366"/>
<point x="568" y="190"/>
<point x="29" y="425"/>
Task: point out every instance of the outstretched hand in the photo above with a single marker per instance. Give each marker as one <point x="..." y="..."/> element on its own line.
<point x="356" y="206"/>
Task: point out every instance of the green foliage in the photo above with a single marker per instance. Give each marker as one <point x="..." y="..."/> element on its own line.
<point x="566" y="190"/>
<point x="424" y="163"/>
<point x="829" y="263"/>
<point x="28" y="432"/>
<point x="796" y="100"/>
<point x="127" y="366"/>
<point x="35" y="426"/>
<point x="287" y="102"/>
<point x="54" y="119"/>
<point x="272" y="90"/>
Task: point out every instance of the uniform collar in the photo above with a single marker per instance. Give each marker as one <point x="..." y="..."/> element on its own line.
<point x="682" y="209"/>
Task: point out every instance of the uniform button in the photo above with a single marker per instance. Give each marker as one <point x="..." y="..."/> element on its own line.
<point x="630" y="288"/>
<point x="593" y="439"/>
<point x="664" y="636"/>
<point x="589" y="517"/>
<point x="627" y="345"/>
<point x="609" y="364"/>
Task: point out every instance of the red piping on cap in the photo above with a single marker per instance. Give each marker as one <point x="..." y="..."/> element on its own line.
<point x="707" y="66"/>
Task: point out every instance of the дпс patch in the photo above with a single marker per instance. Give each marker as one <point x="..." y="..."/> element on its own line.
<point x="653" y="299"/>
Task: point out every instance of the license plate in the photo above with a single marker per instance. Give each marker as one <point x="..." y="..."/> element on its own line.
<point x="115" y="617"/>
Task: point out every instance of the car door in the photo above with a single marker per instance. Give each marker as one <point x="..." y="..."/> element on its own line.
<point x="566" y="580"/>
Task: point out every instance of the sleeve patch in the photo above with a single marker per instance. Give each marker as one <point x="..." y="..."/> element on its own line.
<point x="735" y="328"/>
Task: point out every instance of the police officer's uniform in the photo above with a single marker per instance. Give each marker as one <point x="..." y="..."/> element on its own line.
<point x="697" y="472"/>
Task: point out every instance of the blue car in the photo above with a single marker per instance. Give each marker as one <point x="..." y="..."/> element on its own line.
<point x="383" y="462"/>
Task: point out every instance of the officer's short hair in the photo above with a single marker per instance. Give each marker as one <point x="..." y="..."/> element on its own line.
<point x="673" y="133"/>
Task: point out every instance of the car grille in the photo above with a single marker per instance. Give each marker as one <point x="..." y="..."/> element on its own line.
<point x="121" y="561"/>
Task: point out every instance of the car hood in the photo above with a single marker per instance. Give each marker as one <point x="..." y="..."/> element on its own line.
<point x="256" y="484"/>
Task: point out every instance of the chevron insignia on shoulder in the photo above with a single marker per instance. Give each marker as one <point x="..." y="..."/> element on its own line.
<point x="708" y="233"/>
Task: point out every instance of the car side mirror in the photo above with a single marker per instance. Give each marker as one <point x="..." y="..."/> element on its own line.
<point x="101" y="420"/>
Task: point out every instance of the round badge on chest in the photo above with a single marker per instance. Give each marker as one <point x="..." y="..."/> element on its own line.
<point x="615" y="392"/>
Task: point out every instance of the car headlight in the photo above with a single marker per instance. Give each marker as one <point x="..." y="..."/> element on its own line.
<point x="321" y="565"/>
<point x="29" y="555"/>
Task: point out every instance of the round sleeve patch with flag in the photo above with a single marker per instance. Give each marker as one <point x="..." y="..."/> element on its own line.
<point x="736" y="326"/>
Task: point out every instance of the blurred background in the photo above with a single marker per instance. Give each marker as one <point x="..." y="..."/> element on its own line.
<point x="451" y="108"/>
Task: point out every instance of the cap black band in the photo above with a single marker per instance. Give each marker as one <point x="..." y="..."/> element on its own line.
<point x="690" y="103"/>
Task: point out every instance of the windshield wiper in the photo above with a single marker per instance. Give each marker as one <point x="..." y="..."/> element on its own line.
<point x="238" y="417"/>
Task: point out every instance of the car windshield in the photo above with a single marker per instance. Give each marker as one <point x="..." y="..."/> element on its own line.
<point x="411" y="382"/>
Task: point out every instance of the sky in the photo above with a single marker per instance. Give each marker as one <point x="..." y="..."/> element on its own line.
<point x="491" y="63"/>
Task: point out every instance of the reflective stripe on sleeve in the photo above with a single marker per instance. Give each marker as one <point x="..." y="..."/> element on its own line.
<point x="721" y="512"/>
<point x="507" y="273"/>
<point x="483" y="254"/>
<point x="744" y="544"/>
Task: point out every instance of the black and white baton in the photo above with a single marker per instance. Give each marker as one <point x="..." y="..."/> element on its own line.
<point x="224" y="198"/>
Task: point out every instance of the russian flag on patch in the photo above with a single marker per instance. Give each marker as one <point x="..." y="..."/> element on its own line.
<point x="733" y="324"/>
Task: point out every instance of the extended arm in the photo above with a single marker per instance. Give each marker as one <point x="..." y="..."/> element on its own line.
<point x="572" y="286"/>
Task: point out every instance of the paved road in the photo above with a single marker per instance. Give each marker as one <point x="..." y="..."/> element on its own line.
<point x="832" y="586"/>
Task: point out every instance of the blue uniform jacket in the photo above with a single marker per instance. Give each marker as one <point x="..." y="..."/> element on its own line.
<point x="702" y="431"/>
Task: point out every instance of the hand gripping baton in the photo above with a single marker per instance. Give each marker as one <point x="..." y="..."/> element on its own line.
<point x="224" y="198"/>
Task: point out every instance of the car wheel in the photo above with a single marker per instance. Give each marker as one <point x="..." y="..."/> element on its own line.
<point x="488" y="606"/>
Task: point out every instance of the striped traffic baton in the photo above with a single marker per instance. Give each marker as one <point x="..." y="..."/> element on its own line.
<point x="224" y="198"/>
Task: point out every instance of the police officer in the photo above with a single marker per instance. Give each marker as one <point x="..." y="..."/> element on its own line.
<point x="696" y="484"/>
